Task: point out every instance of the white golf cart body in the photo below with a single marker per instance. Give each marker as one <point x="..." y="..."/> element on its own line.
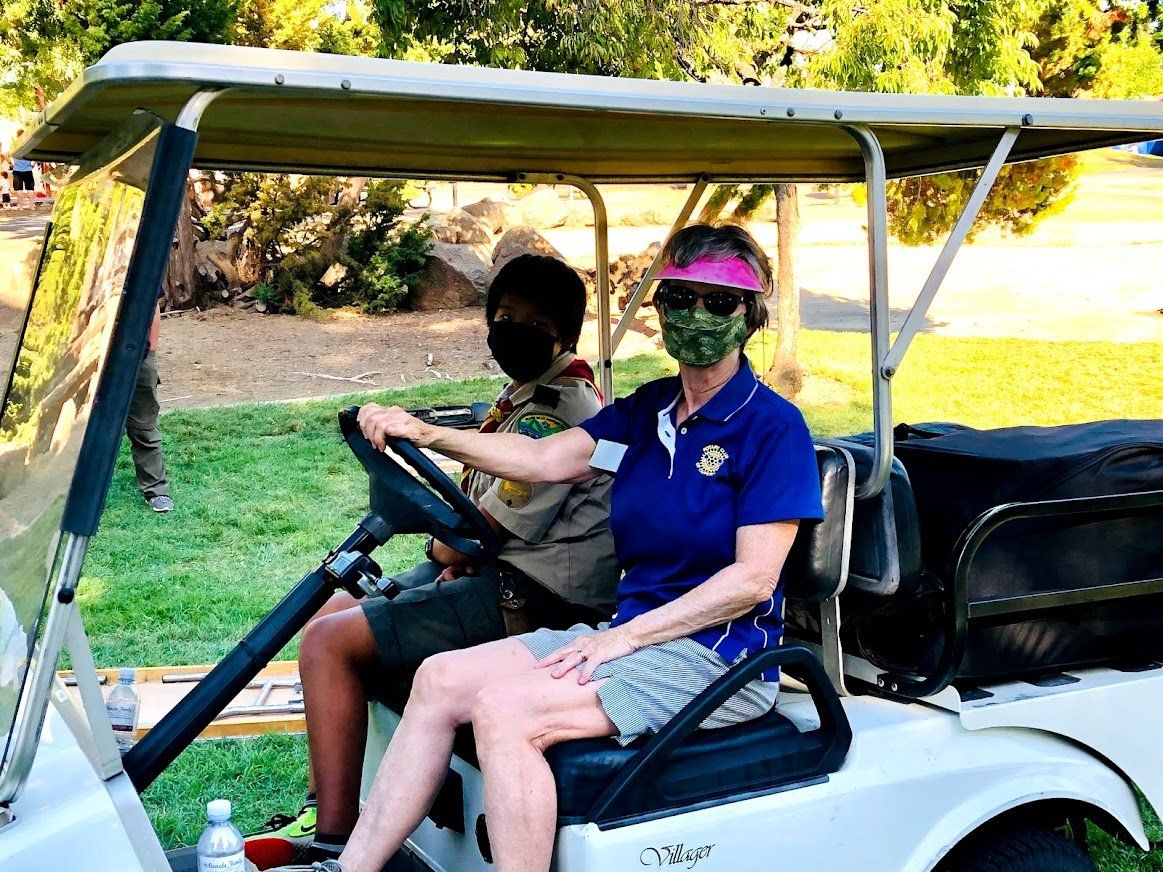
<point x="927" y="765"/>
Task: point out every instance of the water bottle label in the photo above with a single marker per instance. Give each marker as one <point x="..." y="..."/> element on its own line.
<point x="233" y="863"/>
<point x="121" y="715"/>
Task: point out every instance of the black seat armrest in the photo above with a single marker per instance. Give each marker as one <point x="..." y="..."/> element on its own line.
<point x="834" y="735"/>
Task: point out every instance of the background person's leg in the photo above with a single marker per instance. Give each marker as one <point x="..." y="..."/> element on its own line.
<point x="25" y="189"/>
<point x="145" y="439"/>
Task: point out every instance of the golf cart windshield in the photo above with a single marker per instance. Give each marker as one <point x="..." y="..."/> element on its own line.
<point x="71" y="312"/>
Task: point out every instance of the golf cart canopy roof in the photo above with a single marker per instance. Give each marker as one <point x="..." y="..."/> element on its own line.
<point x="298" y="112"/>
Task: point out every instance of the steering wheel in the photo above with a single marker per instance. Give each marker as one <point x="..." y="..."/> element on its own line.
<point x="406" y="505"/>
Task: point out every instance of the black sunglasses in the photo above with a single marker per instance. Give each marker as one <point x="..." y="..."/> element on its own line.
<point x="677" y="298"/>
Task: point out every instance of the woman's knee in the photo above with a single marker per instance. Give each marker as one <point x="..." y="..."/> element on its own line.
<point x="439" y="682"/>
<point x="500" y="715"/>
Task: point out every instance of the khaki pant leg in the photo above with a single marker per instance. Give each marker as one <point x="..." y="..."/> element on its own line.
<point x="145" y="439"/>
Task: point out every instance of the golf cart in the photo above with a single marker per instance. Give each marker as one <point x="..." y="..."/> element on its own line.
<point x="958" y="692"/>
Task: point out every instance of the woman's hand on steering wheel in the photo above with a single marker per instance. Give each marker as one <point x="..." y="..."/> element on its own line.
<point x="377" y="423"/>
<point x="587" y="653"/>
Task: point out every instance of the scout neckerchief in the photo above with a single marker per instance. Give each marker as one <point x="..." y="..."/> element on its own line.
<point x="565" y="366"/>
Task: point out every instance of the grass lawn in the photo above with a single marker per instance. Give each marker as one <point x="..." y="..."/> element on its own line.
<point x="264" y="491"/>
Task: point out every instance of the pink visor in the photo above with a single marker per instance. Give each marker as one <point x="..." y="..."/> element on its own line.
<point x="732" y="272"/>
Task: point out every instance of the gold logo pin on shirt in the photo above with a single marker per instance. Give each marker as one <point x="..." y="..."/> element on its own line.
<point x="714" y="456"/>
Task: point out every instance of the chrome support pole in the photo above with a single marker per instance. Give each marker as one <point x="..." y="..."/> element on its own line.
<point x="831" y="652"/>
<point x="953" y="245"/>
<point x="191" y="114"/>
<point x="643" y="287"/>
<point x="876" y="178"/>
<point x="601" y="268"/>
<point x="42" y="670"/>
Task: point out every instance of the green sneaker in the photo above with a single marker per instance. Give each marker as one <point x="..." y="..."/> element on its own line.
<point x="283" y="839"/>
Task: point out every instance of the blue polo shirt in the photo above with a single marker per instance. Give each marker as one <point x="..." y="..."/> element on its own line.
<point x="682" y="490"/>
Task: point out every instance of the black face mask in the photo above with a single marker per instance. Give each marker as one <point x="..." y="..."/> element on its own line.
<point x="522" y="351"/>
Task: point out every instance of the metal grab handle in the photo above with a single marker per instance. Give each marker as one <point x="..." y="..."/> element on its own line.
<point x="833" y="720"/>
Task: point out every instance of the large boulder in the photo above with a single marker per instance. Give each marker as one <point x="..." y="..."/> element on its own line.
<point x="455" y="276"/>
<point x="519" y="241"/>
<point x="543" y="208"/>
<point x="458" y="227"/>
<point x="497" y="215"/>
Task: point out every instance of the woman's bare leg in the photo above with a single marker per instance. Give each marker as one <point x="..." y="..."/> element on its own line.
<point x="421" y="748"/>
<point x="515" y="722"/>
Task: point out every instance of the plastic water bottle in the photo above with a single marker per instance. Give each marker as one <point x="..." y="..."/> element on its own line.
<point x="220" y="847"/>
<point x="123" y="707"/>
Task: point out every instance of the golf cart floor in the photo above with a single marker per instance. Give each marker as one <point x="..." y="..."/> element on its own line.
<point x="186" y="860"/>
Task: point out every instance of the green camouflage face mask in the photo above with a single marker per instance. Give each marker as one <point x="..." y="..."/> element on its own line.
<point x="696" y="337"/>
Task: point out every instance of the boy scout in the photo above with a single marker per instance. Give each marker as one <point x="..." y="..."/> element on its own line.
<point x="556" y="566"/>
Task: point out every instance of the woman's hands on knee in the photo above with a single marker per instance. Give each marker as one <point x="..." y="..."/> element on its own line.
<point x="587" y="653"/>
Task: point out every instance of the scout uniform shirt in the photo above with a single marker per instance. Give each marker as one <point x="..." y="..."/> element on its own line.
<point x="560" y="532"/>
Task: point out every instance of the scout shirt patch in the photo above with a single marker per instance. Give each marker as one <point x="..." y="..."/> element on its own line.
<point x="714" y="456"/>
<point x="535" y="425"/>
<point x="538" y="425"/>
<point x="515" y="494"/>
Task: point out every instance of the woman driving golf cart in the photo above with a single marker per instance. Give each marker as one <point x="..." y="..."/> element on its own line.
<point x="556" y="565"/>
<point x="714" y="474"/>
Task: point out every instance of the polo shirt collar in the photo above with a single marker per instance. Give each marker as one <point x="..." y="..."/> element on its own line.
<point x="731" y="398"/>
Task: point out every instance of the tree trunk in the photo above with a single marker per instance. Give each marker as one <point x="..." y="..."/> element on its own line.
<point x="720" y="197"/>
<point x="786" y="375"/>
<point x="181" y="287"/>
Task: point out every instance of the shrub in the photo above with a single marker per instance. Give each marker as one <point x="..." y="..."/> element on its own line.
<point x="266" y="295"/>
<point x="385" y="254"/>
<point x="299" y="227"/>
<point x="381" y="282"/>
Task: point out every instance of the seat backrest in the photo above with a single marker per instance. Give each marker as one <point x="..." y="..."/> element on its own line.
<point x="886" y="532"/>
<point x="817" y="567"/>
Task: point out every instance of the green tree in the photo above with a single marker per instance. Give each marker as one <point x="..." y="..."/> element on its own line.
<point x="46" y="43"/>
<point x="1048" y="47"/>
<point x="1072" y="38"/>
<point x="327" y="26"/>
<point x="1131" y="69"/>
<point x="581" y="36"/>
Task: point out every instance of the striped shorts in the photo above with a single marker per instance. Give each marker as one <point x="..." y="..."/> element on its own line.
<point x="644" y="690"/>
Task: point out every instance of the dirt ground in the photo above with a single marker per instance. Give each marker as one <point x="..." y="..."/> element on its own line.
<point x="222" y="356"/>
<point x="1089" y="273"/>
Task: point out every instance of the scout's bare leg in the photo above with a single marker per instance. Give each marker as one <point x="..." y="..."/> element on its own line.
<point x="335" y="651"/>
<point x="421" y="749"/>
